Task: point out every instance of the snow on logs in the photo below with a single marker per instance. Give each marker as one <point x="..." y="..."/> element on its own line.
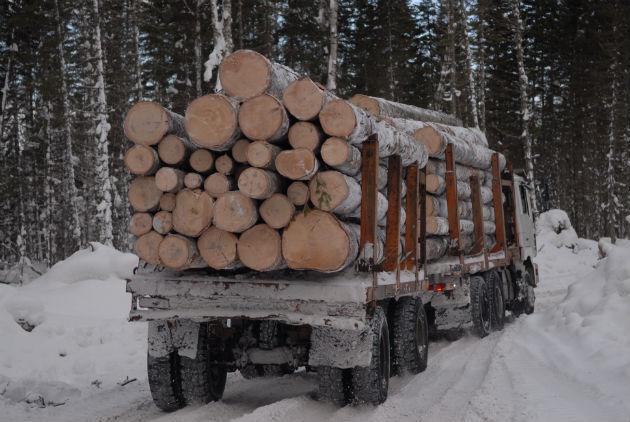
<point x="382" y="108"/>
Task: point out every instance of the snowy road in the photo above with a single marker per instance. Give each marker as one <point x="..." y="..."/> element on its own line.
<point x="548" y="366"/>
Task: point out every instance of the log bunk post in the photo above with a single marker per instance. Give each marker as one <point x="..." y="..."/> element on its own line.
<point x="412" y="235"/>
<point x="499" y="218"/>
<point x="369" y="191"/>
<point x="451" y="202"/>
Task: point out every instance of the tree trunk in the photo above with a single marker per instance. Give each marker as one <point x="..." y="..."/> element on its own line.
<point x="222" y="38"/>
<point x="168" y="179"/>
<point x="218" y="248"/>
<point x="193" y="212"/>
<point x="260" y="248"/>
<point x="341" y="156"/>
<point x="262" y="155"/>
<point x="381" y="108"/>
<point x="263" y="118"/>
<point x="147" y="247"/>
<point x="297" y="164"/>
<point x="140" y="223"/>
<point x="143" y="194"/>
<point x="147" y="122"/>
<point x="305" y="135"/>
<point x="246" y="74"/>
<point x="258" y="183"/>
<point x="277" y="211"/>
<point x="179" y="253"/>
<point x="235" y="212"/>
<point x="163" y="222"/>
<point x="202" y="161"/>
<point x="334" y="191"/>
<point x="331" y="82"/>
<point x="217" y="184"/>
<point x="318" y="241"/>
<point x="298" y="193"/>
<point x="304" y="99"/>
<point x="141" y="160"/>
<point x="212" y="122"/>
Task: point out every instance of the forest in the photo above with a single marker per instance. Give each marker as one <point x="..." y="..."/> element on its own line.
<point x="547" y="80"/>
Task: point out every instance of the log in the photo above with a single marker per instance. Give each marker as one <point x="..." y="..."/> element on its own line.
<point x="436" y="206"/>
<point x="263" y="118"/>
<point x="193" y="212"/>
<point x="304" y="99"/>
<point x="381" y="179"/>
<point x="179" y="253"/>
<point x="382" y="108"/>
<point x="141" y="160"/>
<point x="174" y="150"/>
<point x="143" y="194"/>
<point x="202" y="161"/>
<point x="168" y="179"/>
<point x="381" y="210"/>
<point x="262" y="154"/>
<point x="167" y="202"/>
<point x="212" y="122"/>
<point x="163" y="222"/>
<point x="305" y="135"/>
<point x="258" y="183"/>
<point x="463" y="173"/>
<point x="239" y="151"/>
<point x="245" y="74"/>
<point x="298" y="193"/>
<point x="147" y="247"/>
<point x="140" y="223"/>
<point x="297" y="164"/>
<point x="340" y="155"/>
<point x="334" y="191"/>
<point x="235" y="212"/>
<point x="260" y="248"/>
<point x="318" y="241"/>
<point x="277" y="211"/>
<point x="218" y="248"/>
<point x="439" y="226"/>
<point x="217" y="184"/>
<point x="470" y="135"/>
<point x="193" y="180"/>
<point x="147" y="122"/>
<point x="437" y="186"/>
<point x="225" y="165"/>
<point x="436" y="247"/>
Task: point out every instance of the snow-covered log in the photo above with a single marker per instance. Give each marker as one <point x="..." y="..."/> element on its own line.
<point x="437" y="206"/>
<point x="438" y="226"/>
<point x="147" y="122"/>
<point x="437" y="186"/>
<point x="463" y="173"/>
<point x="382" y="108"/>
<point x="334" y="191"/>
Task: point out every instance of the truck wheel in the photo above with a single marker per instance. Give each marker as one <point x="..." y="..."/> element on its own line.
<point x="497" y="304"/>
<point x="370" y="383"/>
<point x="331" y="386"/>
<point x="202" y="382"/>
<point x="480" y="306"/>
<point x="530" y="299"/>
<point x="165" y="382"/>
<point x="410" y="336"/>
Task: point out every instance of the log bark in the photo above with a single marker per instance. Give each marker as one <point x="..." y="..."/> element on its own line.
<point x="147" y="247"/>
<point x="239" y="150"/>
<point x="463" y="173"/>
<point x="169" y="179"/>
<point x="305" y="135"/>
<point x="141" y="160"/>
<point x="297" y="164"/>
<point x="202" y="161"/>
<point x="218" y="248"/>
<point x="318" y="241"/>
<point x="298" y="193"/>
<point x="437" y="207"/>
<point x="235" y="212"/>
<point x="436" y="185"/>
<point x="382" y="108"/>
<point x="217" y="184"/>
<point x="436" y="247"/>
<point x="143" y="194"/>
<point x="263" y="118"/>
<point x="260" y="248"/>
<point x="212" y="122"/>
<point x="262" y="154"/>
<point x="147" y="122"/>
<point x="140" y="223"/>
<point x="277" y="211"/>
<point x="163" y="222"/>
<point x="225" y="165"/>
<point x="381" y="179"/>
<point x="246" y="74"/>
<point x="381" y="210"/>
<point x="304" y="99"/>
<point x="334" y="191"/>
<point x="258" y="183"/>
<point x="174" y="150"/>
<point x="340" y="155"/>
<point x="438" y="226"/>
<point x="193" y="180"/>
<point x="179" y="253"/>
<point x="167" y="202"/>
<point x="193" y="212"/>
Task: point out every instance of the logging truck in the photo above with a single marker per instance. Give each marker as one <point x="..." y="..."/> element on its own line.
<point x="356" y="327"/>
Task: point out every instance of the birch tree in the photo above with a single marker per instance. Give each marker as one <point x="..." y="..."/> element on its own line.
<point x="222" y="38"/>
<point x="331" y="82"/>
<point x="470" y="79"/>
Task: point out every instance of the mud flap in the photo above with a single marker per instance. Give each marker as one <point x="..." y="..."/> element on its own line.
<point x="167" y="336"/>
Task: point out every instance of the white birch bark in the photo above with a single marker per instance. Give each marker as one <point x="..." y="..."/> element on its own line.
<point x="611" y="200"/>
<point x="198" y="64"/>
<point x="222" y="38"/>
<point x="136" y="45"/>
<point x="331" y="83"/>
<point x="472" y="97"/>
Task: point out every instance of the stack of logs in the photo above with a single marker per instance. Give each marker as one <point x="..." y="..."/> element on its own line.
<point x="266" y="175"/>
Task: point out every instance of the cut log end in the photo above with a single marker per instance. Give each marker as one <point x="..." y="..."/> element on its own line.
<point x="212" y="122"/>
<point x="277" y="211"/>
<point x="235" y="212"/>
<point x="224" y="164"/>
<point x="335" y="151"/>
<point x="337" y="118"/>
<point x="245" y="74"/>
<point x="143" y="194"/>
<point x="201" y="161"/>
<point x="172" y="150"/>
<point x="193" y="180"/>
<point x="262" y="154"/>
<point x="263" y="118"/>
<point x="239" y="150"/>
<point x="298" y="193"/>
<point x="297" y="164"/>
<point x="260" y="248"/>
<point x="147" y="247"/>
<point x="305" y="135"/>
<point x="366" y="103"/>
<point x="167" y="202"/>
<point x="140" y="223"/>
<point x="217" y="184"/>
<point x="146" y="123"/>
<point x="334" y="191"/>
<point x="258" y="183"/>
<point x="163" y="222"/>
<point x="431" y="140"/>
<point x="304" y="99"/>
<point x="177" y="252"/>
<point x="168" y="179"/>
<point x="218" y="248"/>
<point x="193" y="212"/>
<point x="141" y="160"/>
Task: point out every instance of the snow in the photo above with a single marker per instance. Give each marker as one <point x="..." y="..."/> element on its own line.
<point x="568" y="361"/>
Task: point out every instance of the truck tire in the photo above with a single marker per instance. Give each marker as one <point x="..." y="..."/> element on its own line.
<point x="202" y="382"/>
<point x="497" y="303"/>
<point x="370" y="384"/>
<point x="480" y="306"/>
<point x="165" y="382"/>
<point x="331" y="386"/>
<point x="410" y="336"/>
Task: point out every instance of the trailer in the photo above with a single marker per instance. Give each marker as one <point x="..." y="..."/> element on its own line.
<point x="355" y="328"/>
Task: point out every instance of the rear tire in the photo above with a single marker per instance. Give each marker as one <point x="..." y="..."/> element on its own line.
<point x="410" y="336"/>
<point x="370" y="384"/>
<point x="165" y="382"/>
<point x="331" y="385"/>
<point x="480" y="306"/>
<point x="497" y="303"/>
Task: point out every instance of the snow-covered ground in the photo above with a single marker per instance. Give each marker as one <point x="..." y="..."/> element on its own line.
<point x="569" y="361"/>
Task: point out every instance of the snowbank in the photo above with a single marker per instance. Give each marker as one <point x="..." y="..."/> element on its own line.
<point x="66" y="332"/>
<point x="554" y="228"/>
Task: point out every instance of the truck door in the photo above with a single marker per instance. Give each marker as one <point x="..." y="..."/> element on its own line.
<point x="525" y="220"/>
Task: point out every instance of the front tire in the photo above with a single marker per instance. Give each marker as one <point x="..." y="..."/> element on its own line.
<point x="480" y="306"/>
<point x="410" y="336"/>
<point x="497" y="302"/>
